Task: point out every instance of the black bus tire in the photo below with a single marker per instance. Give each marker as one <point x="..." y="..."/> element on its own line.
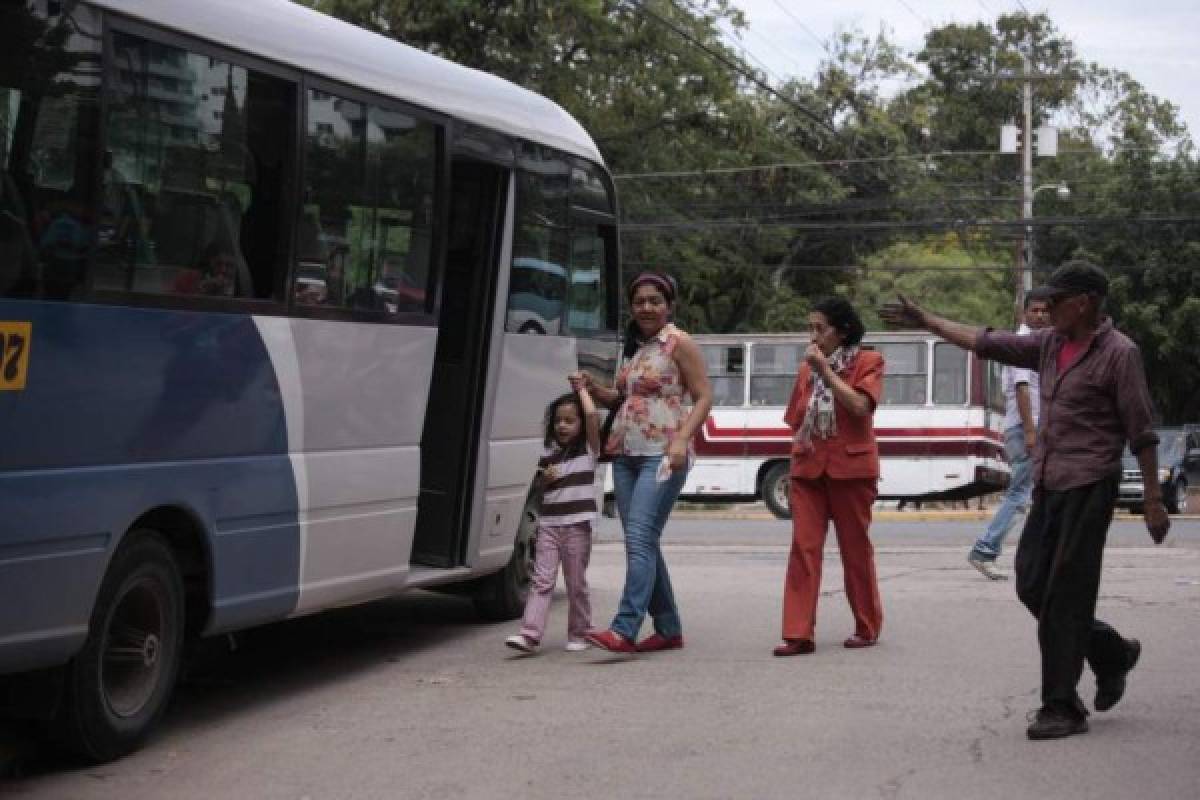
<point x="502" y="596"/>
<point x="120" y="683"/>
<point x="775" y="487"/>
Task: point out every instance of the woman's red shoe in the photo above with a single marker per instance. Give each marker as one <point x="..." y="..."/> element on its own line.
<point x="795" y="647"/>
<point x="656" y="641"/>
<point x="855" y="641"/>
<point x="612" y="641"/>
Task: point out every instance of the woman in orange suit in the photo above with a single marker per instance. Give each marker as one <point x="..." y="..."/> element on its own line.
<point x="834" y="475"/>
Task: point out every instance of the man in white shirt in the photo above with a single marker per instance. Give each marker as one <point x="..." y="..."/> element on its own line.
<point x="1020" y="435"/>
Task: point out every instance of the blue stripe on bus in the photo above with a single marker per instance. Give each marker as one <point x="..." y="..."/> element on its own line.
<point x="126" y="410"/>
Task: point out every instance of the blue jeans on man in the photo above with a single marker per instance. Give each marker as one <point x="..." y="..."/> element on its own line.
<point x="1015" y="499"/>
<point x="644" y="503"/>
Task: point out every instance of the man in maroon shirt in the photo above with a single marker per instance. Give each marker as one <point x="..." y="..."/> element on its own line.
<point x="1094" y="400"/>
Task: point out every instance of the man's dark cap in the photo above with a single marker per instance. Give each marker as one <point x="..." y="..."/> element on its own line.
<point x="1077" y="277"/>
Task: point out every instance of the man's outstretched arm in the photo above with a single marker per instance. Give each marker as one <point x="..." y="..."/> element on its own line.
<point x="906" y="314"/>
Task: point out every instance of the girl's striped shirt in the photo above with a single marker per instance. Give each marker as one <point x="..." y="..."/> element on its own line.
<point x="571" y="497"/>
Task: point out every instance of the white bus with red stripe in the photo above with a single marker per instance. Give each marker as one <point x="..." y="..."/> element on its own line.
<point x="938" y="423"/>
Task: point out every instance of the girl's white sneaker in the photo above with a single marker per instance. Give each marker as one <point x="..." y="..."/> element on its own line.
<point x="576" y="645"/>
<point x="521" y="642"/>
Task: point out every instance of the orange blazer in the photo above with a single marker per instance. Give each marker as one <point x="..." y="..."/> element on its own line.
<point x="852" y="453"/>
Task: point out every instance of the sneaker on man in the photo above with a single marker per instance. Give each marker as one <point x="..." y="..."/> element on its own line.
<point x="520" y="641"/>
<point x="576" y="645"/>
<point x="988" y="568"/>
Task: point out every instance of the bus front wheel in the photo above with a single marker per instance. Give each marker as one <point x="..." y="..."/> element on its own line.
<point x="120" y="682"/>
<point x="775" y="490"/>
<point x="502" y="596"/>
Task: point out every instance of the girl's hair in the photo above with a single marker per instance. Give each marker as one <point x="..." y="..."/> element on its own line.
<point x="666" y="285"/>
<point x="577" y="446"/>
<point x="843" y="318"/>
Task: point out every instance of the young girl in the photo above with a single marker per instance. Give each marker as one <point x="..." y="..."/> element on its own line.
<point x="564" y="534"/>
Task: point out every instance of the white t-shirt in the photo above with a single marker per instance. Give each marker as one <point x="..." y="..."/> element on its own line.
<point x="1011" y="377"/>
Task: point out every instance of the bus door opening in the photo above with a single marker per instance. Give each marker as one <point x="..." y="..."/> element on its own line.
<point x="450" y="441"/>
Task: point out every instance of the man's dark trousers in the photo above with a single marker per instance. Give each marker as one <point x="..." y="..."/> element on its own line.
<point x="1058" y="565"/>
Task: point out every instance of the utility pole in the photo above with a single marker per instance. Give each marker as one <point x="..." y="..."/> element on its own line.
<point x="1024" y="276"/>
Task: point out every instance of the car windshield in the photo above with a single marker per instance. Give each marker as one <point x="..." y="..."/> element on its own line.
<point x="1168" y="445"/>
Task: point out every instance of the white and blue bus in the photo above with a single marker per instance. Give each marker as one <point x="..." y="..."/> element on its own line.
<point x="258" y="355"/>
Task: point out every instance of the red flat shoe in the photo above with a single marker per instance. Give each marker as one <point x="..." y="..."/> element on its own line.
<point x="612" y="642"/>
<point x="856" y="641"/>
<point x="795" y="647"/>
<point x="656" y="641"/>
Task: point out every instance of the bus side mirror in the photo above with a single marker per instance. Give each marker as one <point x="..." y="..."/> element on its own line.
<point x="1192" y="458"/>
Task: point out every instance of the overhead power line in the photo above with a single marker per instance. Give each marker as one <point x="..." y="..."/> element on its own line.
<point x="804" y="27"/>
<point x="805" y="164"/>
<point x="640" y="5"/>
<point x="931" y="224"/>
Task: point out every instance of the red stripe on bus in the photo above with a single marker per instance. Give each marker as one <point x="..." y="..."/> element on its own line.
<point x="887" y="449"/>
<point x="711" y="431"/>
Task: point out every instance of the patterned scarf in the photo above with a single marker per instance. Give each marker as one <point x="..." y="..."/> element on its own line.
<point x="820" y="417"/>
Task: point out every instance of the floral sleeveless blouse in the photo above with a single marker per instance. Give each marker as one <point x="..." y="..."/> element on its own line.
<point x="656" y="401"/>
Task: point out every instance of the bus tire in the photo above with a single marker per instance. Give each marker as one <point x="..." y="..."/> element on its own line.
<point x="119" y="684"/>
<point x="502" y="596"/>
<point x="775" y="490"/>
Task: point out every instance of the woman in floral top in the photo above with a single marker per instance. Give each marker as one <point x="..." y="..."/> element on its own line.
<point x="651" y="444"/>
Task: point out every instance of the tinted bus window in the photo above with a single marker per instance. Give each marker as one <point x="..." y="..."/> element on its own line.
<point x="195" y="174"/>
<point x="49" y="85"/>
<point x="589" y="191"/>
<point x="773" y="373"/>
<point x="727" y="373"/>
<point x="365" y="234"/>
<point x="949" y="375"/>
<point x="587" y="309"/>
<point x="905" y="373"/>
<point x="538" y="283"/>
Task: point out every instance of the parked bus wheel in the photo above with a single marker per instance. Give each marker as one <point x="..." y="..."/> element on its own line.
<point x="120" y="682"/>
<point x="502" y="596"/>
<point x="775" y="490"/>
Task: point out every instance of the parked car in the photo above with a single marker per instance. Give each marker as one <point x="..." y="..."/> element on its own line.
<point x="1178" y="468"/>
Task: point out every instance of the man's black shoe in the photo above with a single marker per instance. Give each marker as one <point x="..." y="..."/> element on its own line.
<point x="1051" y="724"/>
<point x="1110" y="689"/>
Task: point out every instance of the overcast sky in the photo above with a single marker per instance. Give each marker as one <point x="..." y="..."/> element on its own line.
<point x="1156" y="41"/>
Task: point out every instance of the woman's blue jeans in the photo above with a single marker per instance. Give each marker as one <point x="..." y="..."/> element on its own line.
<point x="644" y="505"/>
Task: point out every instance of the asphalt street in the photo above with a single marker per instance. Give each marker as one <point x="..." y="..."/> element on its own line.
<point x="414" y="698"/>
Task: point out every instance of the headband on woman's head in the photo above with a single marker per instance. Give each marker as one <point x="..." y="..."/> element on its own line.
<point x="656" y="279"/>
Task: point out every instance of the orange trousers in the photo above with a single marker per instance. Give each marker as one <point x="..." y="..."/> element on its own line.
<point x="848" y="504"/>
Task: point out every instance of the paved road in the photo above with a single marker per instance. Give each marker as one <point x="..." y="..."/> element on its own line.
<point x="412" y="698"/>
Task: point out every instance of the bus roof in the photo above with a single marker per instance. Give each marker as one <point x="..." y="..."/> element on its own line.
<point x="288" y="33"/>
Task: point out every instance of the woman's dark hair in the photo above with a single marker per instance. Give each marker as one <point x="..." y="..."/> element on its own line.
<point x="579" y="445"/>
<point x="666" y="285"/>
<point x="843" y="318"/>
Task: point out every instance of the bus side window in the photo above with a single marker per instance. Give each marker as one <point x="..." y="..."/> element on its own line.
<point x="904" y="384"/>
<point x="949" y="375"/>
<point x="538" y="282"/>
<point x="49" y="122"/>
<point x="726" y="373"/>
<point x="773" y="373"/>
<point x="365" y="233"/>
<point x="195" y="174"/>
